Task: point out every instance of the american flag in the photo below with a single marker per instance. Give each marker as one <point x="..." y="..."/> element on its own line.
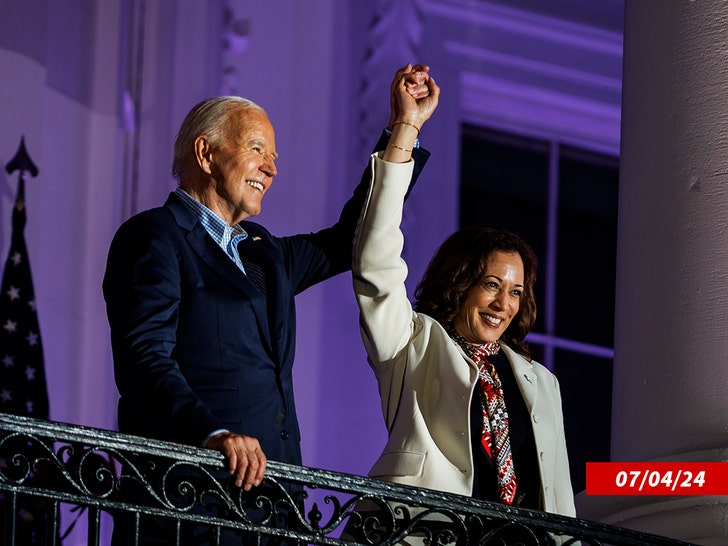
<point x="23" y="388"/>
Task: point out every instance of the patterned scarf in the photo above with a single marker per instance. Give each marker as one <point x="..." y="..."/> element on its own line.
<point x="495" y="434"/>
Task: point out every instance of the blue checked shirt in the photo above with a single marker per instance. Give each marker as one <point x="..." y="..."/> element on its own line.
<point x="224" y="235"/>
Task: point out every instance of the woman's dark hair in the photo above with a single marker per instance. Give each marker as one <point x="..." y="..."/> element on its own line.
<point x="459" y="264"/>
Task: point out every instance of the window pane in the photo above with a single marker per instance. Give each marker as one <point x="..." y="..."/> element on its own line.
<point x="587" y="247"/>
<point x="586" y="393"/>
<point x="537" y="351"/>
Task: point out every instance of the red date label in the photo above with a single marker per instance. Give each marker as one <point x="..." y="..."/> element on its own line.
<point x="657" y="478"/>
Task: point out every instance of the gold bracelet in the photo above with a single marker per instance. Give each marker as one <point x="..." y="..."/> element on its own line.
<point x="400" y="147"/>
<point x="407" y="123"/>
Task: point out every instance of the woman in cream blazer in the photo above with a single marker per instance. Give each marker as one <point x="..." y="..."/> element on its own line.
<point x="427" y="383"/>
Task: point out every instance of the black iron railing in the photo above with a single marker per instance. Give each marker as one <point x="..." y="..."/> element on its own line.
<point x="45" y="465"/>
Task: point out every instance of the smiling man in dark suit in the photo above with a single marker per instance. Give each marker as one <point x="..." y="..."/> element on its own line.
<point x="200" y="299"/>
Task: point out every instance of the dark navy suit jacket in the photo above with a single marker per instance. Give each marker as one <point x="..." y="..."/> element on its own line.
<point x="197" y="347"/>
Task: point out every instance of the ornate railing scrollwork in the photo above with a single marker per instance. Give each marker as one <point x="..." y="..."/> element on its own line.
<point x="43" y="463"/>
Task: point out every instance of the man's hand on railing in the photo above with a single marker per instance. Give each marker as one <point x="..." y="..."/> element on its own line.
<point x="244" y="457"/>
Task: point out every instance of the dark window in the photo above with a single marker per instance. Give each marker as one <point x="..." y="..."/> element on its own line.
<point x="587" y="247"/>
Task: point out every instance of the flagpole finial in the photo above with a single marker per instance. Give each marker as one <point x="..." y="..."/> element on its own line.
<point x="21" y="161"/>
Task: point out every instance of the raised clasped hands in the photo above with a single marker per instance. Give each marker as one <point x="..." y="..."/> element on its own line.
<point x="414" y="95"/>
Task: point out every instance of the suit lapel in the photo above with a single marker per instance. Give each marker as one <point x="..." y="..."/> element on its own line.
<point x="260" y="250"/>
<point x="525" y="377"/>
<point x="543" y="435"/>
<point x="522" y="371"/>
<point x="467" y="375"/>
<point x="211" y="253"/>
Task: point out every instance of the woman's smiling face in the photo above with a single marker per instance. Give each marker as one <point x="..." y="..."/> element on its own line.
<point x="489" y="306"/>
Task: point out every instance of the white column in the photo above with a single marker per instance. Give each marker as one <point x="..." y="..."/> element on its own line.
<point x="671" y="336"/>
